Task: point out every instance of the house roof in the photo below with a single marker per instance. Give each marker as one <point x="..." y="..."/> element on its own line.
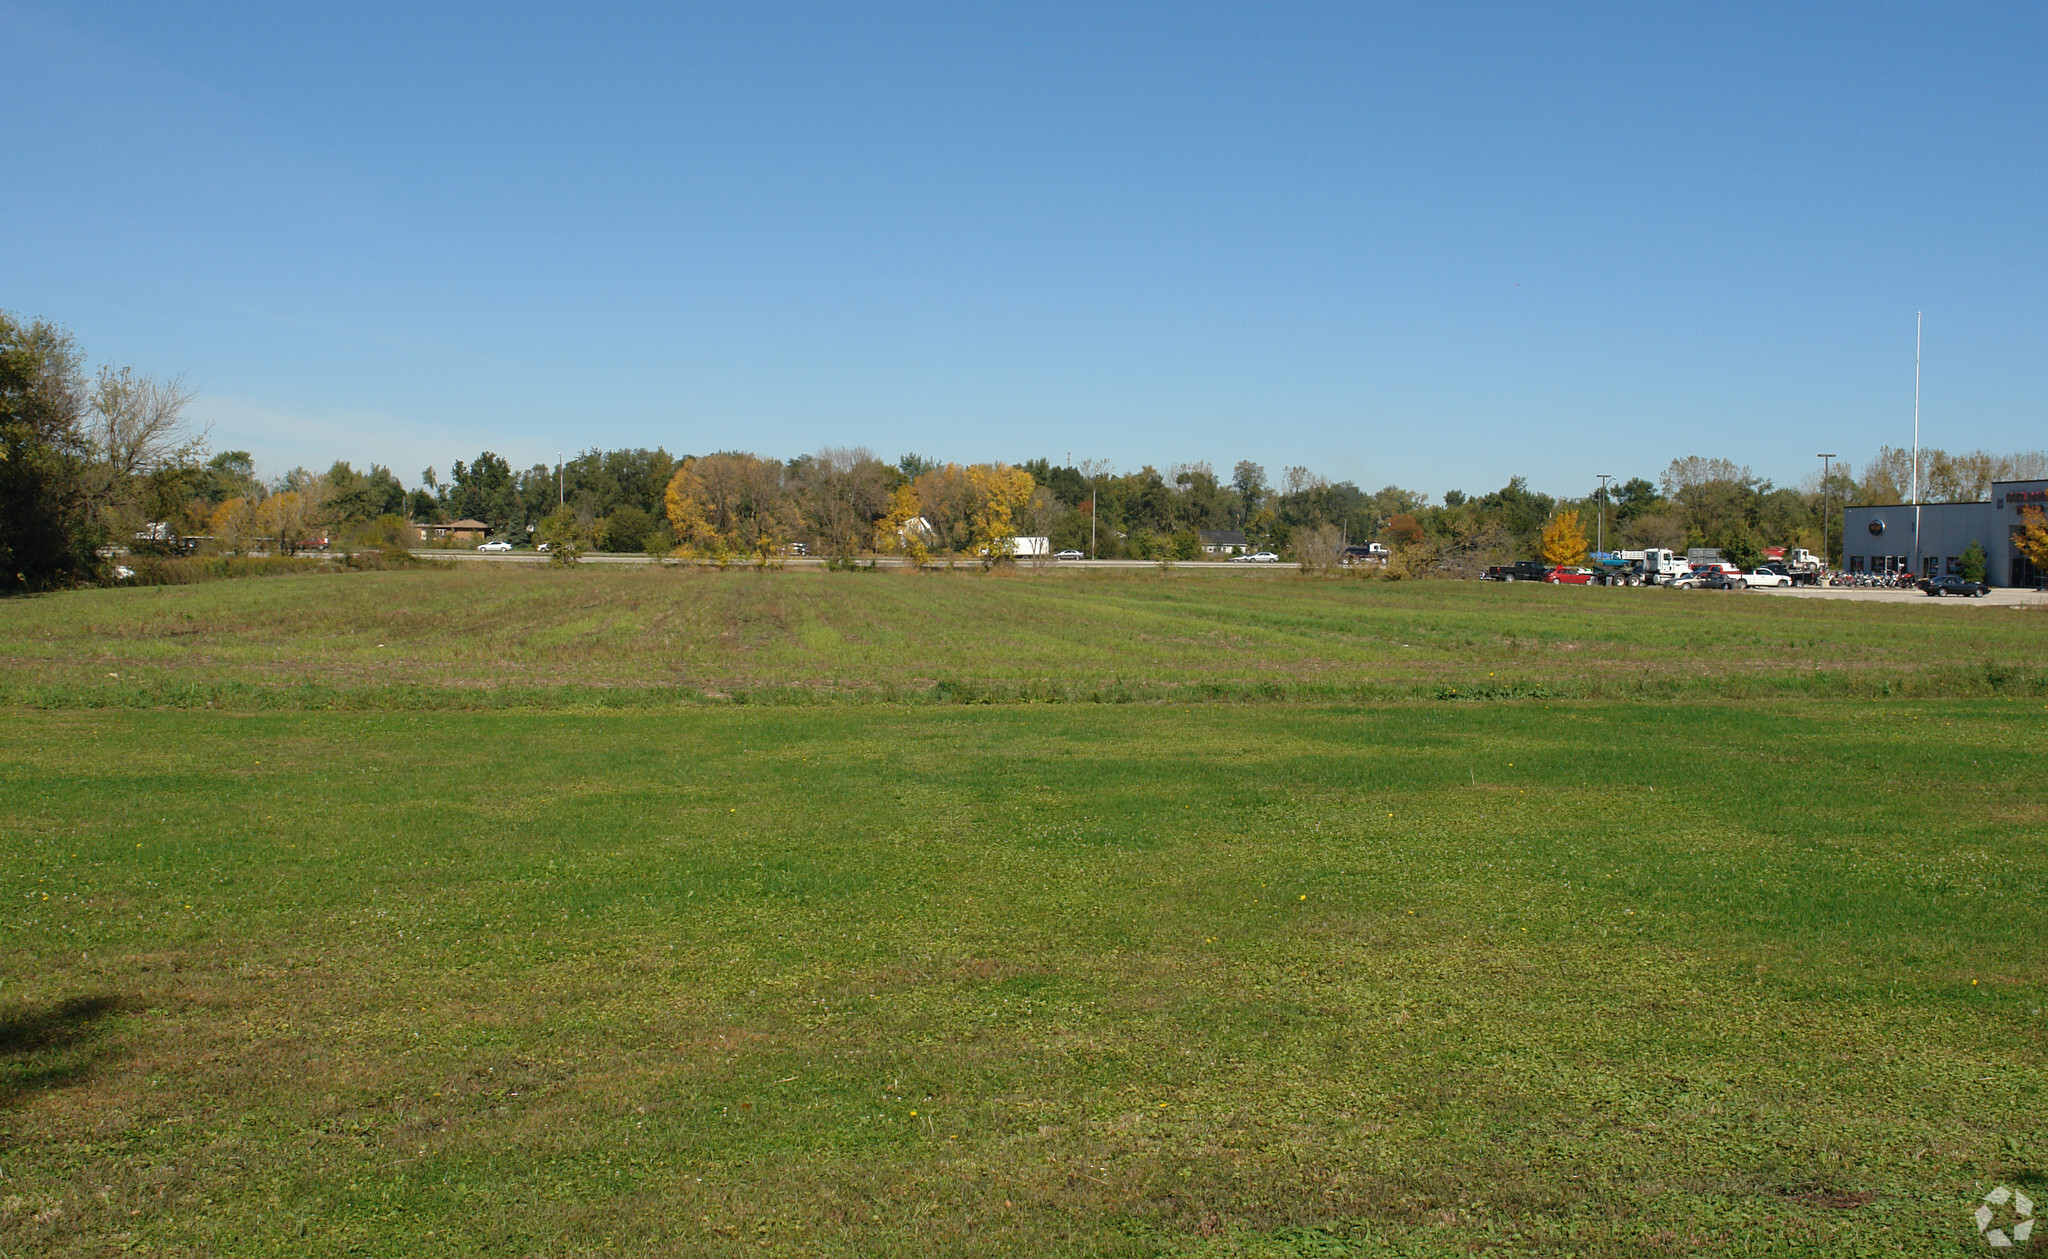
<point x="463" y="524"/>
<point x="1223" y="537"/>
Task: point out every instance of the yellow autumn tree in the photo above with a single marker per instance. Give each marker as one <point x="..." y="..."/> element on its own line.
<point x="234" y="525"/>
<point x="999" y="493"/>
<point x="903" y="527"/>
<point x="945" y="502"/>
<point x="684" y="502"/>
<point x="282" y="518"/>
<point x="2031" y="540"/>
<point x="731" y="502"/>
<point x="1564" y="543"/>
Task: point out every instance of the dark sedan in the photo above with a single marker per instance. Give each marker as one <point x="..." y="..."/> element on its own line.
<point x="1955" y="586"/>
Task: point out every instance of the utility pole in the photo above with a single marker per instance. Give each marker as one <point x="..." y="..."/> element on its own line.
<point x="1092" y="507"/>
<point x="561" y="494"/>
<point x="1824" y="509"/>
<point x="1601" y="531"/>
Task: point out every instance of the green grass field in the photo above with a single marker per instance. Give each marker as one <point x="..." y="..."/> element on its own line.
<point x="519" y="934"/>
<point x="640" y="636"/>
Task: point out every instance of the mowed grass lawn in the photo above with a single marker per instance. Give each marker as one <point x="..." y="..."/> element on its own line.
<point x="1422" y="977"/>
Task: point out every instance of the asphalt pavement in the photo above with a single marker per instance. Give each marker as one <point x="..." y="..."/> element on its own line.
<point x="813" y="561"/>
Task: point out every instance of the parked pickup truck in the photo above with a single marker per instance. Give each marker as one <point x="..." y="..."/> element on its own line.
<point x="1520" y="570"/>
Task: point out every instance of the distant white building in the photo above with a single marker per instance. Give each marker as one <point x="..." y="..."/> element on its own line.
<point x="1881" y="539"/>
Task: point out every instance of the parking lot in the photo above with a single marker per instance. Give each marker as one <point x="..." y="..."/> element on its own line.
<point x="1998" y="597"/>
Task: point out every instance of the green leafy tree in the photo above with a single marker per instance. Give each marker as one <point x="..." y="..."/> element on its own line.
<point x="599" y="483"/>
<point x="482" y="491"/>
<point x="354" y="499"/>
<point x="1741" y="545"/>
<point x="48" y="534"/>
<point x="626" y="530"/>
<point x="566" y="536"/>
<point x="1973" y="561"/>
<point x="1248" y="480"/>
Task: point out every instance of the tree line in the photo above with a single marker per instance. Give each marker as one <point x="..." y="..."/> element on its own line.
<point x="91" y="461"/>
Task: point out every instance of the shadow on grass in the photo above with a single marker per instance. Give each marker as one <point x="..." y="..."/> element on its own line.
<point x="51" y="1047"/>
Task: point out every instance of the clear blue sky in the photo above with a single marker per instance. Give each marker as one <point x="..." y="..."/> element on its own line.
<point x="1434" y="245"/>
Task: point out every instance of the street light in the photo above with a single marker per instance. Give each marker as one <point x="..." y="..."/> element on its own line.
<point x="1824" y="458"/>
<point x="1601" y="530"/>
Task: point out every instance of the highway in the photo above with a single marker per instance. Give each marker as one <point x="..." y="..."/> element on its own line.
<point x="813" y="561"/>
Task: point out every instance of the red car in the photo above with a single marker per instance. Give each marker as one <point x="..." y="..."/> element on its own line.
<point x="1569" y="576"/>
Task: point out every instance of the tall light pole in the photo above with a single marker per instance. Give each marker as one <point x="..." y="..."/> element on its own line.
<point x="1601" y="531"/>
<point x="1824" y="509"/>
<point x="561" y="492"/>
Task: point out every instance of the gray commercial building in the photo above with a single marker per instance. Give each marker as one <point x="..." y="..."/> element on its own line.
<point x="1880" y="539"/>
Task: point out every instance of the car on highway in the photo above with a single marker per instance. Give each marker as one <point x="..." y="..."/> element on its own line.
<point x="1562" y="576"/>
<point x="1261" y="557"/>
<point x="1952" y="585"/>
<point x="499" y="545"/>
<point x="1070" y="555"/>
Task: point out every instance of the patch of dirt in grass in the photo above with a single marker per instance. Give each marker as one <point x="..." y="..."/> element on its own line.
<point x="1827" y="1196"/>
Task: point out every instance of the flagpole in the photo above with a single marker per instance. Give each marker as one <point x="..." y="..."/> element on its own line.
<point x="1917" y="320"/>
